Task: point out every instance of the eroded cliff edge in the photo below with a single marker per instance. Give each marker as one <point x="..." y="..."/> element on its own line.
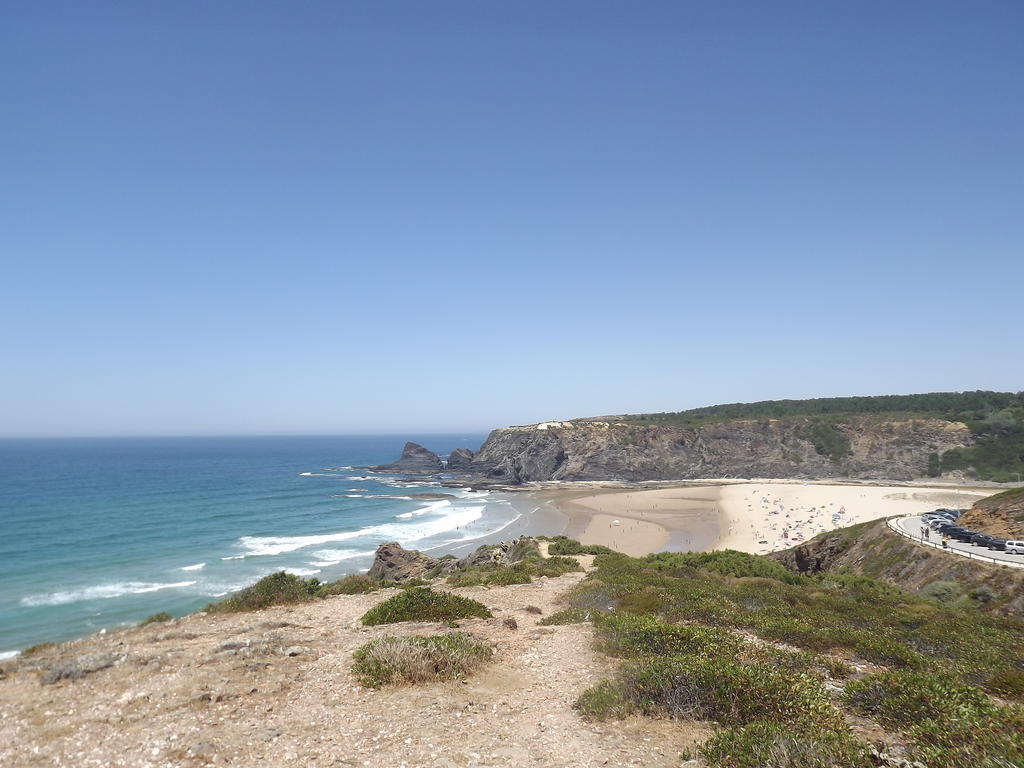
<point x="865" y="447"/>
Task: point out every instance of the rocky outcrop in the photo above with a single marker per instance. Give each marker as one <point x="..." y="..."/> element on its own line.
<point x="505" y="553"/>
<point x="1000" y="515"/>
<point x="871" y="549"/>
<point x="460" y="459"/>
<point x="862" y="447"/>
<point x="392" y="562"/>
<point x="415" y="460"/>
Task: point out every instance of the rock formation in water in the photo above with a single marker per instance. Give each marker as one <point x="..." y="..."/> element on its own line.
<point x="460" y="459"/>
<point x="415" y="460"/>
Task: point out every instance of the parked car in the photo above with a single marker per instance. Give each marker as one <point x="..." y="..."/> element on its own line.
<point x="1014" y="547"/>
<point x="980" y="539"/>
<point x="996" y="543"/>
<point x="962" y="535"/>
<point x="944" y="527"/>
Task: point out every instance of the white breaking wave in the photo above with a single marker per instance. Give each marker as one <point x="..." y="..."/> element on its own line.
<point x="8" y="654"/>
<point x="234" y="557"/>
<point x="302" y="571"/>
<point x="424" y="510"/>
<point x="196" y="567"/>
<point x="327" y="557"/>
<point x="101" y="592"/>
<point x="401" y="532"/>
<point x="353" y="495"/>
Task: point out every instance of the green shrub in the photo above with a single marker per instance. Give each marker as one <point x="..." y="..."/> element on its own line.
<point x="727" y="562"/>
<point x="943" y="591"/>
<point x="626" y="635"/>
<point x="156" y="618"/>
<point x="1008" y="683"/>
<point x="423" y="604"/>
<point x="418" y="659"/>
<point x="604" y="701"/>
<point x="474" y="578"/>
<point x="717" y="689"/>
<point x="523" y="549"/>
<point x="993" y="739"/>
<point x="507" y="576"/>
<point x="353" y="584"/>
<point x="764" y="744"/>
<point x="904" y="697"/>
<point x="561" y="545"/>
<point x="279" y="588"/>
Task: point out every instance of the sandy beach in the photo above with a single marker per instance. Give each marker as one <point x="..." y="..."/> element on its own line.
<point x="758" y="516"/>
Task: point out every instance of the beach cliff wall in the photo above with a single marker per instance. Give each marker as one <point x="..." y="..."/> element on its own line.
<point x="869" y="448"/>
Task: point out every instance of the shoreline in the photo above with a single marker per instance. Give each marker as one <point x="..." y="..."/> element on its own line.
<point x="754" y="516"/>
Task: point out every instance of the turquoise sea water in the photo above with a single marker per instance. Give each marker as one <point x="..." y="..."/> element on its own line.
<point x="100" y="533"/>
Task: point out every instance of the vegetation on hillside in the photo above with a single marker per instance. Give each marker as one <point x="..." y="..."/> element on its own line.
<point x="284" y="588"/>
<point x="414" y="659"/>
<point x="424" y="604"/>
<point x="995" y="419"/>
<point x="737" y="639"/>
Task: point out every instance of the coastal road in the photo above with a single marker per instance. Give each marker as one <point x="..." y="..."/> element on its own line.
<point x="911" y="527"/>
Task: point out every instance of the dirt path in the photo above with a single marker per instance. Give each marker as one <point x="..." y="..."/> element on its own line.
<point x="274" y="688"/>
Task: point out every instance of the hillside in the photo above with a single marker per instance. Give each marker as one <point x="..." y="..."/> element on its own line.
<point x="899" y="437"/>
<point x="1000" y="515"/>
<point x="726" y="659"/>
<point x="873" y="551"/>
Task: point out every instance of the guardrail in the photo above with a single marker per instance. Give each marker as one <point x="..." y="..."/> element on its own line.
<point x="892" y="523"/>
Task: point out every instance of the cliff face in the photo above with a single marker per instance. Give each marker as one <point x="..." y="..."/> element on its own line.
<point x="770" y="448"/>
<point x="1000" y="515"/>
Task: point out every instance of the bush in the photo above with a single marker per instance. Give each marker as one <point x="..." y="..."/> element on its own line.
<point x="562" y="545"/>
<point x="943" y="591"/>
<point x="903" y="697"/>
<point x="779" y="745"/>
<point x="991" y="740"/>
<point x="506" y="576"/>
<point x="626" y="635"/>
<point x="156" y="618"/>
<point x="1008" y="683"/>
<point x="423" y="604"/>
<point x="353" y="584"/>
<point x="727" y="562"/>
<point x="716" y="689"/>
<point x="279" y="588"/>
<point x="418" y="659"/>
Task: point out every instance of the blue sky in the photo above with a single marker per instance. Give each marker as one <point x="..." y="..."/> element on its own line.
<point x="323" y="217"/>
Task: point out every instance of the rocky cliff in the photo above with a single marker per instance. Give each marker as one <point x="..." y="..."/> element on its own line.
<point x="1000" y="515"/>
<point x="861" y="447"/>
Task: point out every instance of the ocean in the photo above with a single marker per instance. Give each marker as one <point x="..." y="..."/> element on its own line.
<point x="100" y="533"/>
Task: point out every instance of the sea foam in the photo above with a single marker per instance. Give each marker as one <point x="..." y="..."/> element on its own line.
<point x="257" y="546"/>
<point x="101" y="592"/>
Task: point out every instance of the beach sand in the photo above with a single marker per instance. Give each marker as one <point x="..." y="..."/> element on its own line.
<point x="758" y="516"/>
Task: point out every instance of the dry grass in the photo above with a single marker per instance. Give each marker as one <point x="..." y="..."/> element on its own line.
<point x="418" y="659"/>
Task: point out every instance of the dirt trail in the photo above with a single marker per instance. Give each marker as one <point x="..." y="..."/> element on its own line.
<point x="274" y="687"/>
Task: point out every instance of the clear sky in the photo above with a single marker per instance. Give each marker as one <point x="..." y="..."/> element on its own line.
<point x="340" y="217"/>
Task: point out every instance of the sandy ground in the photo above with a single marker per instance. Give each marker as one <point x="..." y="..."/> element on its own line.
<point x="224" y="690"/>
<point x="757" y="516"/>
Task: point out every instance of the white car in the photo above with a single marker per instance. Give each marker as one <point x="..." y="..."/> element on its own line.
<point x="1014" y="547"/>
